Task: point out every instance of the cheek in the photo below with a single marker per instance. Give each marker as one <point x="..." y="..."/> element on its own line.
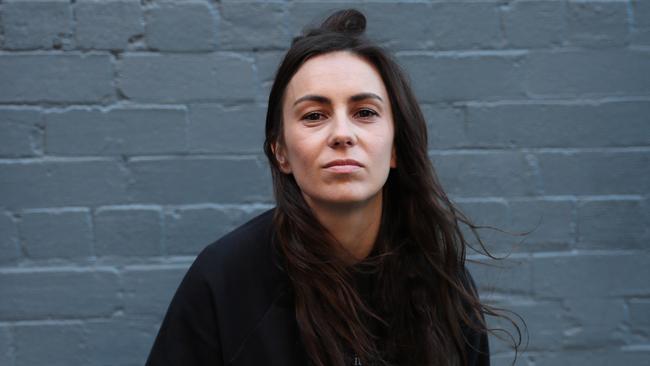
<point x="301" y="155"/>
<point x="383" y="146"/>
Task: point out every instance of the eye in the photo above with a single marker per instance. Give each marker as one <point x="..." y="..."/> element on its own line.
<point x="367" y="113"/>
<point x="312" y="116"/>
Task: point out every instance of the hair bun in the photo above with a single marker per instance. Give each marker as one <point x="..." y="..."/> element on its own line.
<point x="348" y="21"/>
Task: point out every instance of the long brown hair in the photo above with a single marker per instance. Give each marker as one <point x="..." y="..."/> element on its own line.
<point x="423" y="298"/>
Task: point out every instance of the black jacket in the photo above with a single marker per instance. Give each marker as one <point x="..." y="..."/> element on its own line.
<point x="234" y="307"/>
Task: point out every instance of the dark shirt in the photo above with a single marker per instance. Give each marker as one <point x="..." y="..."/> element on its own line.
<point x="235" y="307"/>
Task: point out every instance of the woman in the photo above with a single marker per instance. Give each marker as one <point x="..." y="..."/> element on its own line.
<point x="362" y="260"/>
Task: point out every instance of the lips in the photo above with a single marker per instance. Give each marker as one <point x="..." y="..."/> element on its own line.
<point x="342" y="162"/>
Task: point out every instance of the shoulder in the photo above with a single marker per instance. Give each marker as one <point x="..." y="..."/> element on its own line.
<point x="244" y="279"/>
<point x="222" y="297"/>
<point x="245" y="247"/>
<point x="242" y="263"/>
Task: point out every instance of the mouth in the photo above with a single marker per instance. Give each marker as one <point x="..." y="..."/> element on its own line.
<point x="343" y="163"/>
<point x="343" y="166"/>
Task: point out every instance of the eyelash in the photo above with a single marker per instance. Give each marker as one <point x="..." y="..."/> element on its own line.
<point x="372" y="114"/>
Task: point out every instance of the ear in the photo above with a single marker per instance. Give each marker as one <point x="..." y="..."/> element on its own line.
<point x="281" y="158"/>
<point x="393" y="158"/>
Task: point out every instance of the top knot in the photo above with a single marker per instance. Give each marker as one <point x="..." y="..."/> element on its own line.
<point x="348" y="21"/>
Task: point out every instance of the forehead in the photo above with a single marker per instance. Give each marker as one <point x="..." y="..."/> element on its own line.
<point x="335" y="74"/>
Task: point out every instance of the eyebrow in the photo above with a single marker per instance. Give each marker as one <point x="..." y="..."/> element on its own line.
<point x="325" y="100"/>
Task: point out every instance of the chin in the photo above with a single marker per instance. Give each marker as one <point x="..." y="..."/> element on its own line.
<point x="344" y="198"/>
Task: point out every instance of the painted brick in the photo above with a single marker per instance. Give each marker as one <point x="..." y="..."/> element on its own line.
<point x="641" y="22"/>
<point x="594" y="173"/>
<point x="550" y="130"/>
<point x="559" y="125"/>
<point x="8" y="239"/>
<point x="56" y="234"/>
<point x="545" y="321"/>
<point x="445" y="126"/>
<point x="192" y="77"/>
<point x="36" y="24"/>
<point x="200" y="180"/>
<point x="598" y="23"/>
<point x="422" y="26"/>
<point x="458" y="77"/>
<point x="58" y="293"/>
<point x="119" y="340"/>
<point x="489" y="213"/>
<point x="587" y="73"/>
<point x="591" y="275"/>
<point x="534" y="24"/>
<point x="509" y="358"/>
<point x="21" y="133"/>
<point x="308" y="14"/>
<point x="484" y="173"/>
<point x="450" y="25"/>
<point x="117" y="131"/>
<point x="6" y="347"/>
<point x="107" y="24"/>
<point x="552" y="224"/>
<point x="595" y="323"/>
<point x="511" y="276"/>
<point x="237" y="32"/>
<point x="591" y="357"/>
<point x="501" y="345"/>
<point x="180" y="27"/>
<point x="440" y="22"/>
<point x="58" y="345"/>
<point x="188" y="230"/>
<point x="56" y="183"/>
<point x="56" y="78"/>
<point x="415" y="20"/>
<point x="127" y="231"/>
<point x="219" y="129"/>
<point x="639" y="318"/>
<point x="266" y="64"/>
<point x="613" y="224"/>
<point x="148" y="290"/>
<point x="2" y="36"/>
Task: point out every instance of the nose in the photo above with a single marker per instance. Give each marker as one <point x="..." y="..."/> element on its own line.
<point x="342" y="133"/>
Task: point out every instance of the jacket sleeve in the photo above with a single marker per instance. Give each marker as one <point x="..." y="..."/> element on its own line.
<point x="189" y="333"/>
<point x="478" y="349"/>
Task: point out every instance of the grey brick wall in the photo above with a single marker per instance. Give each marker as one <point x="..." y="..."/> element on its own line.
<point x="131" y="131"/>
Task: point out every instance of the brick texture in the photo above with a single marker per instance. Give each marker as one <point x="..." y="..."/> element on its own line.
<point x="180" y="27"/>
<point x="21" y="133"/>
<point x="110" y="25"/>
<point x="131" y="137"/>
<point x="56" y="78"/>
<point x="116" y="132"/>
<point x="56" y="233"/>
<point x="45" y="24"/>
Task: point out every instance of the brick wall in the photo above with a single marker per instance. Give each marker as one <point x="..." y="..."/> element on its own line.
<point x="131" y="131"/>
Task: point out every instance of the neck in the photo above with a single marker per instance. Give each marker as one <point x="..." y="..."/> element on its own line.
<point x="354" y="226"/>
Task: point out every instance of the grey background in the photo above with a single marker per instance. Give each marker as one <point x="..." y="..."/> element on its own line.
<point x="131" y="131"/>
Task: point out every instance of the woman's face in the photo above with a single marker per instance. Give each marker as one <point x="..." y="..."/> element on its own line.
<point x="338" y="130"/>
